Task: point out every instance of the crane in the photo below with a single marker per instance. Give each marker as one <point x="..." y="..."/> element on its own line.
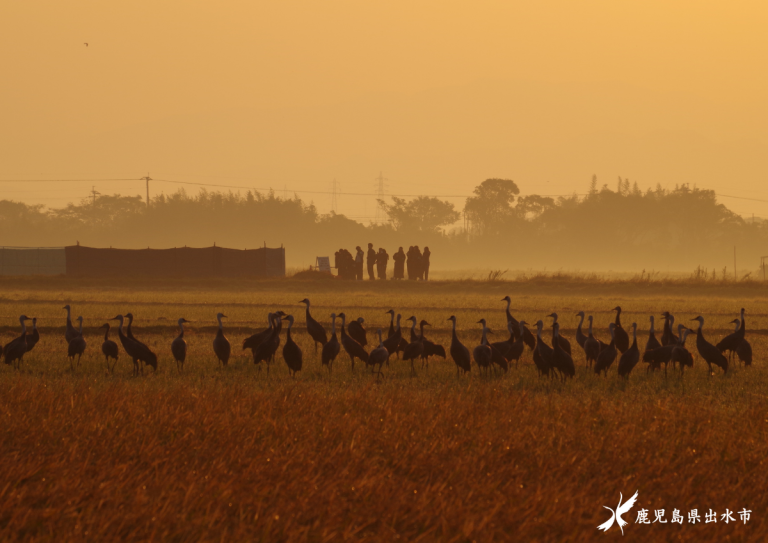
<point x="76" y="346"/>
<point x="179" y="346"/>
<point x="14" y="351"/>
<point x="630" y="357"/>
<point x="709" y="352"/>
<point x="482" y="353"/>
<point x="352" y="347"/>
<point x="291" y="351"/>
<point x="564" y="343"/>
<point x="70" y="331"/>
<point x="314" y="328"/>
<point x="109" y="349"/>
<point x="221" y="346"/>
<point x="34" y="337"/>
<point x="379" y="355"/>
<point x="459" y="353"/>
<point x="331" y="348"/>
<point x="561" y="359"/>
<point x="621" y="338"/>
<point x="608" y="355"/>
<point x="542" y="354"/>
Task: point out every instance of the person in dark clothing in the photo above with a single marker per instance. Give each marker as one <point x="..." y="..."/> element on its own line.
<point x="381" y="261"/>
<point x="418" y="269"/>
<point x="345" y="264"/>
<point x="425" y="262"/>
<point x="409" y="263"/>
<point x="371" y="261"/>
<point x="399" y="259"/>
<point x="359" y="264"/>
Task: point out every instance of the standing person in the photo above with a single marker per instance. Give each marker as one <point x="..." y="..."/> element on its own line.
<point x="371" y="261"/>
<point x="418" y="268"/>
<point x="359" y="264"/>
<point x="409" y="262"/>
<point x="425" y="262"/>
<point x="399" y="259"/>
<point x="381" y="261"/>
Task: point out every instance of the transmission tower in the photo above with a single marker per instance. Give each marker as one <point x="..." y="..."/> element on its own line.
<point x="94" y="194"/>
<point x="380" y="186"/>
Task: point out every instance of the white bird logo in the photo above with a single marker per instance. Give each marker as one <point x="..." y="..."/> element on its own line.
<point x="616" y="515"/>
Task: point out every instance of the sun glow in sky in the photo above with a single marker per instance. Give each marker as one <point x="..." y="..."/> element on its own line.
<point x="436" y="95"/>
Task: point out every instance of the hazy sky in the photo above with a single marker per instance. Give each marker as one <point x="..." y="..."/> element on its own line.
<point x="437" y="95"/>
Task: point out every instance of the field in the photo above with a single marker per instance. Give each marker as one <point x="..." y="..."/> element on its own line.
<point x="234" y="454"/>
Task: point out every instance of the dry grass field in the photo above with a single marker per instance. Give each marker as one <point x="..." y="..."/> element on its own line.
<point x="235" y="455"/>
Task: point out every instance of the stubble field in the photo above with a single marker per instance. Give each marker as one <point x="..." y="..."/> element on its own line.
<point x="234" y="454"/>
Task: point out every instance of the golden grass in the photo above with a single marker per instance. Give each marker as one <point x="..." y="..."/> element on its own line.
<point x="234" y="455"/>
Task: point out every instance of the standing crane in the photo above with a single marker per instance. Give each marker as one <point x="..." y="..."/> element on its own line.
<point x="291" y="352"/>
<point x="314" y="328"/>
<point x="561" y="359"/>
<point x="14" y="351"/>
<point x="415" y="348"/>
<point x="76" y="346"/>
<point x="591" y="346"/>
<point x="516" y="350"/>
<point x="667" y="336"/>
<point x="459" y="352"/>
<point x="357" y="332"/>
<point x="527" y="336"/>
<point x="608" y="355"/>
<point x="252" y="342"/>
<point x="109" y="349"/>
<point x="680" y="354"/>
<point x="147" y="357"/>
<point x="652" y="342"/>
<point x="430" y="347"/>
<point x="221" y="346"/>
<point x="744" y="349"/>
<point x="394" y="341"/>
<point x="542" y="354"/>
<point x="709" y="352"/>
<point x="70" y="331"/>
<point x="564" y="343"/>
<point x="134" y="348"/>
<point x="391" y="331"/>
<point x="580" y="337"/>
<point x="379" y="355"/>
<point x="630" y="357"/>
<point x="331" y="348"/>
<point x="663" y="355"/>
<point x="621" y="338"/>
<point x="179" y="347"/>
<point x="483" y="354"/>
<point x="34" y="337"/>
<point x="352" y="347"/>
<point x="265" y="351"/>
<point x="732" y="341"/>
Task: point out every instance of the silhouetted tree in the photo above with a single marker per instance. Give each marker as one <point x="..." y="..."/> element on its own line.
<point x="491" y="209"/>
<point x="422" y="214"/>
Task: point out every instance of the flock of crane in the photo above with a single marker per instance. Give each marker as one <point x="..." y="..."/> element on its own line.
<point x="553" y="360"/>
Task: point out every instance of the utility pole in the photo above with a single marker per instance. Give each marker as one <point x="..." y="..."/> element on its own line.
<point x="147" y="179"/>
<point x="94" y="193"/>
<point x="735" y="275"/>
<point x="380" y="188"/>
<point x="334" y="197"/>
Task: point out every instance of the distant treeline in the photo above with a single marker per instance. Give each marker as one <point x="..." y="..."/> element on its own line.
<point x="624" y="230"/>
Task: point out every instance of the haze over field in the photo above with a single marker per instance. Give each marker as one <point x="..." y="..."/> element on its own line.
<point x="438" y="96"/>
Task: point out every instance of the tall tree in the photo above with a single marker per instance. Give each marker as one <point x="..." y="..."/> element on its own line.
<point x="492" y="205"/>
<point x="422" y="214"/>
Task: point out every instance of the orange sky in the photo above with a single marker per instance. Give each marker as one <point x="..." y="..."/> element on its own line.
<point x="437" y="95"/>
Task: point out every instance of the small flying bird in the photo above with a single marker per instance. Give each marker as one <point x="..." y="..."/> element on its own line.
<point x="85" y="43"/>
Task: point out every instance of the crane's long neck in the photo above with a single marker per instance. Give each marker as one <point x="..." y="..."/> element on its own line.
<point x="485" y="335"/>
<point x="333" y="325"/>
<point x="23" y="327"/>
<point x="381" y="343"/>
<point x="81" y="327"/>
<point x="290" y="323"/>
<point x="69" y="314"/>
<point x="392" y="319"/>
<point x="413" y="327"/>
<point x="398" y="322"/>
<point x="421" y="330"/>
<point x="509" y="303"/>
<point x="738" y="325"/>
<point x="221" y="326"/>
<point x="522" y="331"/>
<point x="538" y="331"/>
<point x="343" y="322"/>
<point x="653" y="330"/>
<point x="106" y="334"/>
<point x="453" y="328"/>
<point x="120" y="328"/>
<point x="590" y="325"/>
<point x="181" y="329"/>
<point x="634" y="333"/>
<point x="684" y="337"/>
<point x="34" y="324"/>
<point x="618" y="316"/>
<point x="581" y="322"/>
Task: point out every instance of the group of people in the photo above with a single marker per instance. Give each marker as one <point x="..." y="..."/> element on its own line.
<point x="414" y="262"/>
